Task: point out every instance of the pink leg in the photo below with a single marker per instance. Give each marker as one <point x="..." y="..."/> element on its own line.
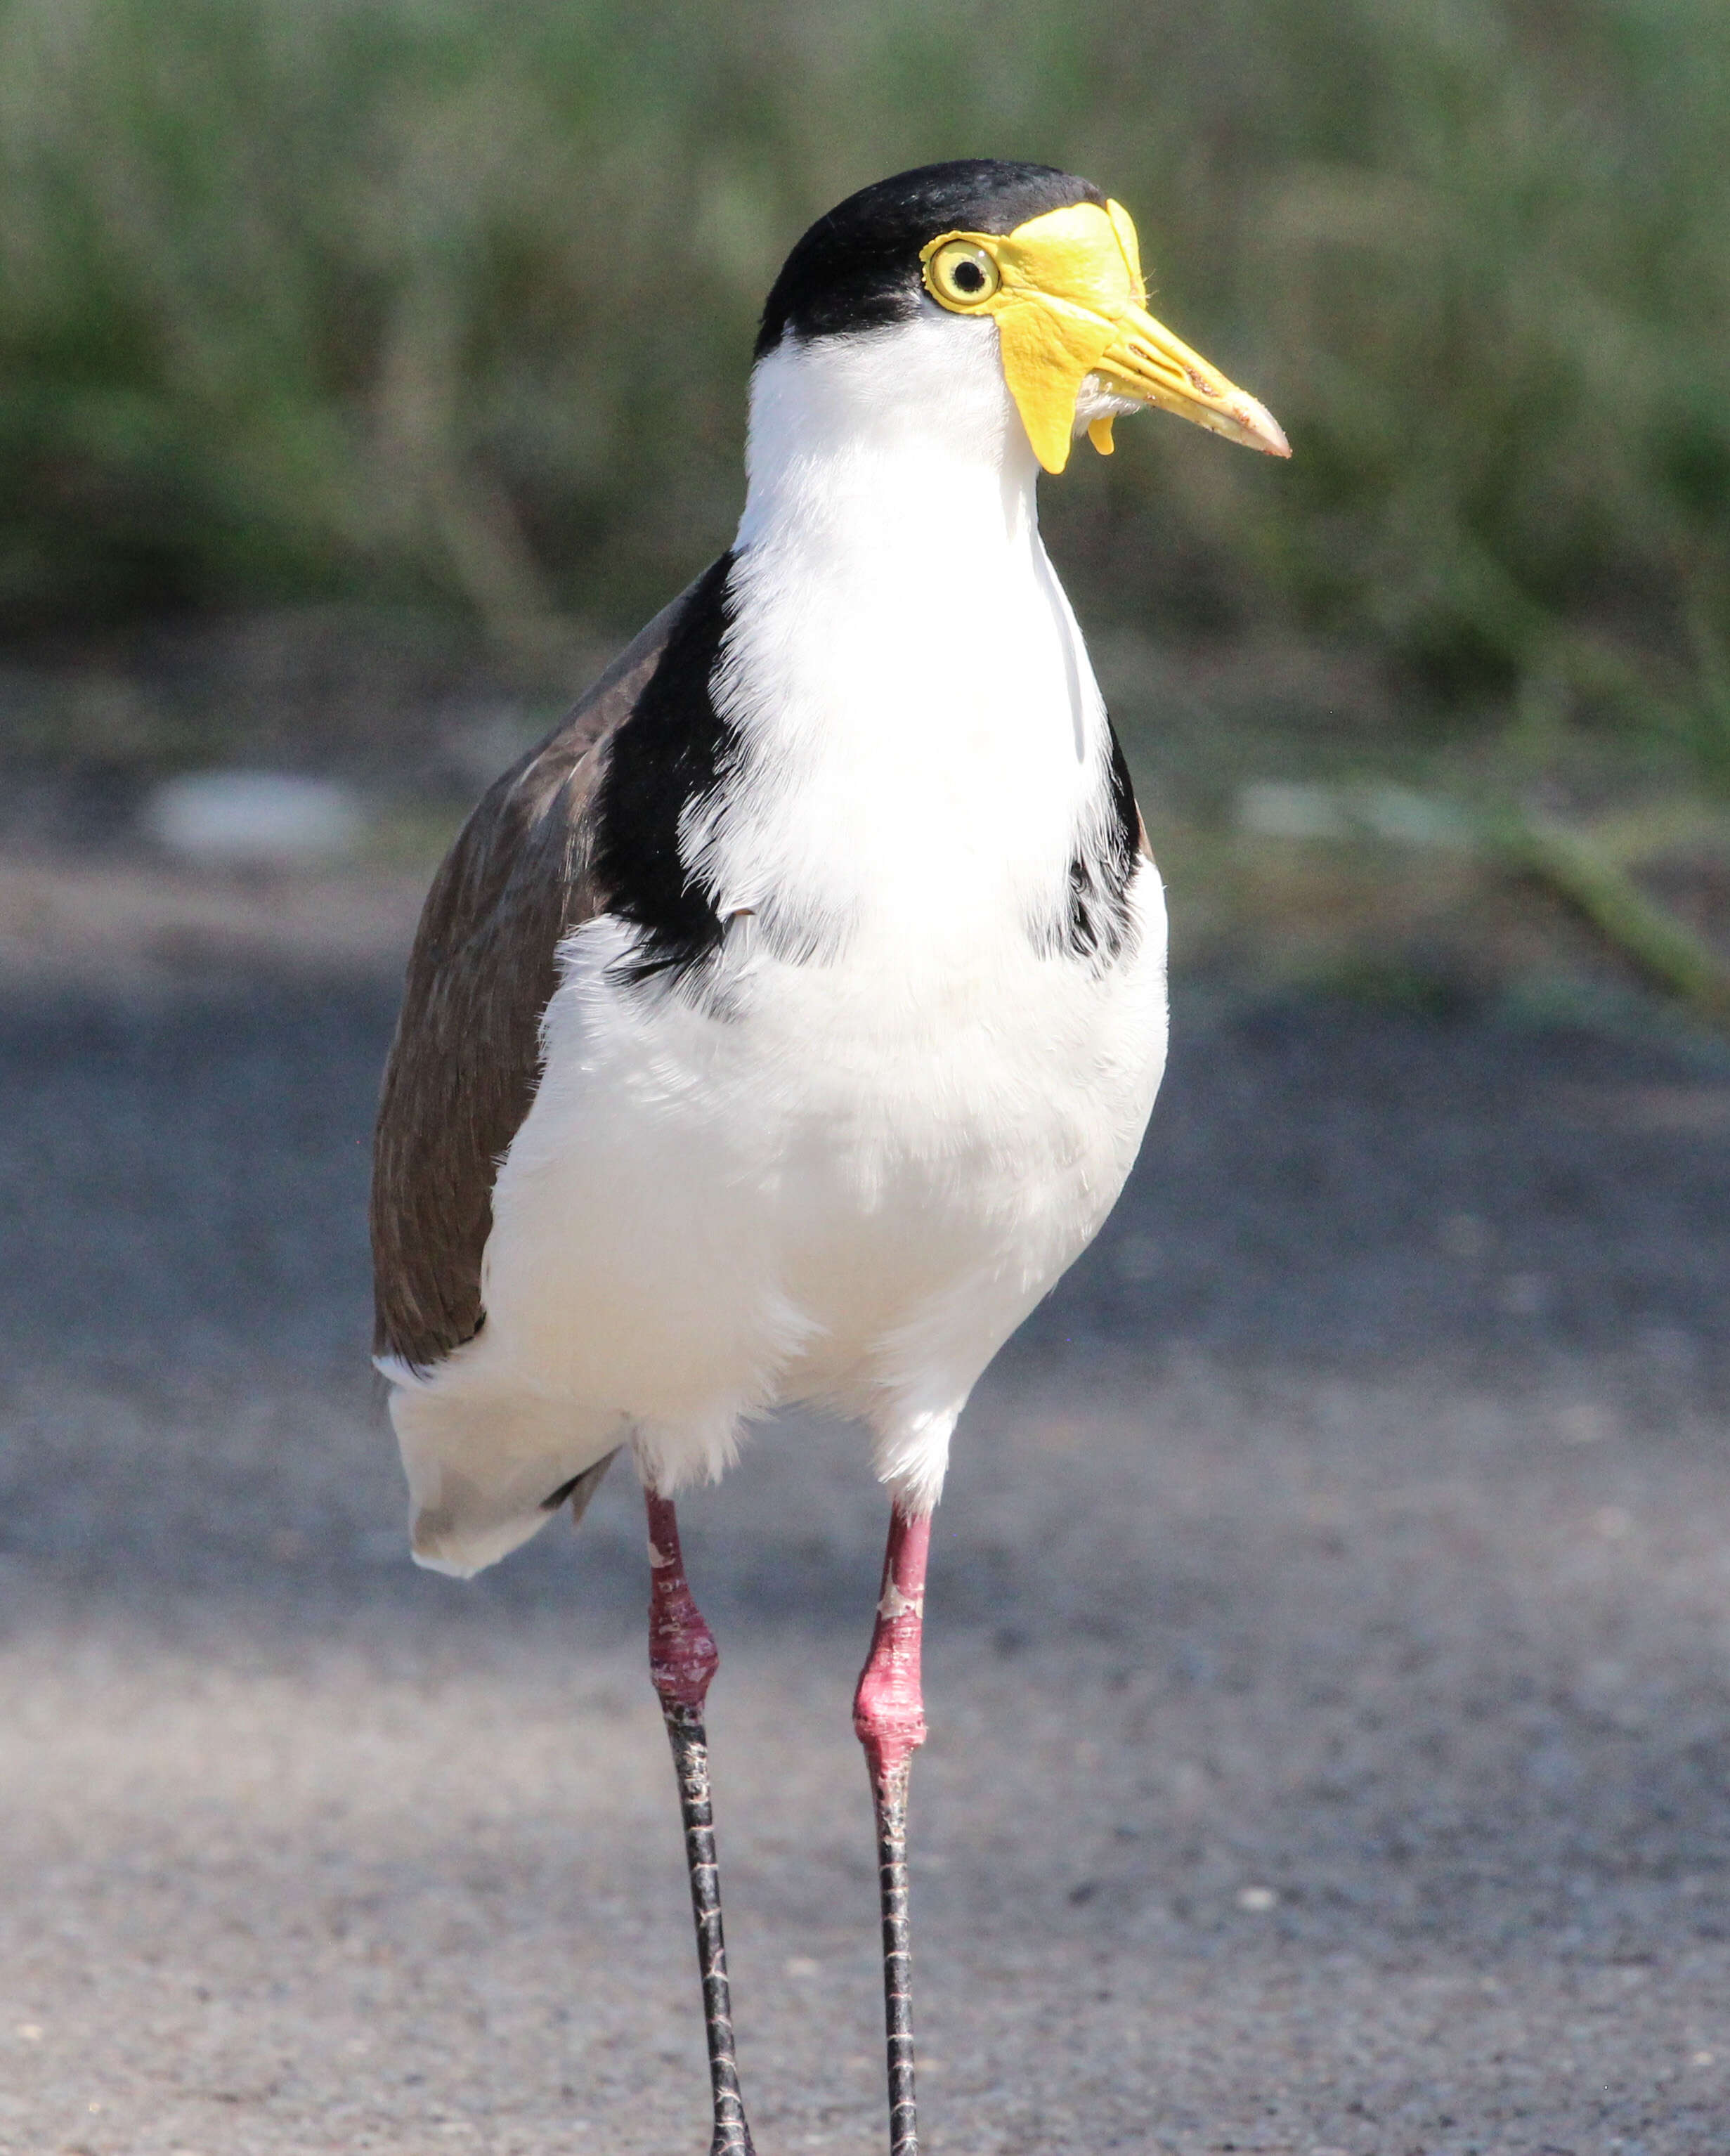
<point x="889" y="1715"/>
<point x="682" y="1658"/>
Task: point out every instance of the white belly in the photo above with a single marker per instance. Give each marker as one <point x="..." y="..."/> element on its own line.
<point x="840" y="1185"/>
<point x="701" y="1220"/>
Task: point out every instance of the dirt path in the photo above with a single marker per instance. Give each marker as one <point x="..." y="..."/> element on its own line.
<point x="1329" y="1662"/>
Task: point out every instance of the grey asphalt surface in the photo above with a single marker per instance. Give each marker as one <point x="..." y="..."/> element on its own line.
<point x="1328" y="1648"/>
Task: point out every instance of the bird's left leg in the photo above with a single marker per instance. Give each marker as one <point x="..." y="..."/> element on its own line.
<point x="682" y="1659"/>
<point x="888" y="1716"/>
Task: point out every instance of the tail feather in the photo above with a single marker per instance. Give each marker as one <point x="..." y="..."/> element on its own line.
<point x="580" y="1489"/>
<point x="488" y="1470"/>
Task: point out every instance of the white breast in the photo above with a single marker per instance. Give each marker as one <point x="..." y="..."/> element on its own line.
<point x="894" y="1114"/>
<point x="922" y="728"/>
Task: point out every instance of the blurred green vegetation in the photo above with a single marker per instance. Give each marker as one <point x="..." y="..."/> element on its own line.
<point x="451" y="301"/>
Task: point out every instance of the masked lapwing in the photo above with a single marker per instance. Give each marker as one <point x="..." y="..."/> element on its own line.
<point x="781" y="1027"/>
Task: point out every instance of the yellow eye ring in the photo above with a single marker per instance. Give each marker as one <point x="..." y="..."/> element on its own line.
<point x="961" y="276"/>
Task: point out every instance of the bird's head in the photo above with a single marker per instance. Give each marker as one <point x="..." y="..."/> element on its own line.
<point x="1039" y="258"/>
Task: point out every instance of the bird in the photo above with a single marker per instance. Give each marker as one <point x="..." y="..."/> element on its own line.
<point x="782" y="1026"/>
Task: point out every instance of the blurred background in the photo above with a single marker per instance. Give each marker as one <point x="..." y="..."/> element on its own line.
<point x="1333" y="1571"/>
<point x="368" y="368"/>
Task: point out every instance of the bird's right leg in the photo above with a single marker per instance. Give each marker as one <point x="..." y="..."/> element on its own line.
<point x="889" y="1717"/>
<point x="682" y="1658"/>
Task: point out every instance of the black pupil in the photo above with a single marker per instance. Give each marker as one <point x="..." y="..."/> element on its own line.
<point x="968" y="276"/>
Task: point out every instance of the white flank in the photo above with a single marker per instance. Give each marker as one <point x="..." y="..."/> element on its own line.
<point x="847" y="1168"/>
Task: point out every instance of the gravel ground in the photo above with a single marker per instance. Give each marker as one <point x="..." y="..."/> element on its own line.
<point x="1328" y="1650"/>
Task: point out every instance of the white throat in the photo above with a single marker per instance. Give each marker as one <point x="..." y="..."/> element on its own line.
<point x="905" y="680"/>
<point x="902" y="437"/>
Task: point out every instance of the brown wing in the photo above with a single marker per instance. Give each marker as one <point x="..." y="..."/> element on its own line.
<point x="466" y="1058"/>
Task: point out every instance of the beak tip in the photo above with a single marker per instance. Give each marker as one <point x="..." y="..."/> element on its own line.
<point x="1263" y="431"/>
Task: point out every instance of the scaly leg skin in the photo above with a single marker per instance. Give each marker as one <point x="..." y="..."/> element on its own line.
<point x="889" y="1716"/>
<point x="682" y="1659"/>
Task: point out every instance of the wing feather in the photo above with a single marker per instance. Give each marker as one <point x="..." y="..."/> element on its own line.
<point x="466" y="1058"/>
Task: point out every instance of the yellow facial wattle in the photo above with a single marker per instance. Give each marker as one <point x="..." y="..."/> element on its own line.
<point x="1066" y="294"/>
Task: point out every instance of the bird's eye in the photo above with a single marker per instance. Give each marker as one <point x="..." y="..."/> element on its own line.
<point x="962" y="275"/>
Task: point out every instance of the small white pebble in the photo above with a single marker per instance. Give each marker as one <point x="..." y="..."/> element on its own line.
<point x="1463" y="1235"/>
<point x="1584" y="1423"/>
<point x="1524" y="1295"/>
<point x="1278" y="809"/>
<point x="254" y="817"/>
<point x="1706" y="2058"/>
<point x="31" y="2031"/>
<point x="801" y="1965"/>
<point x="1256" y="1897"/>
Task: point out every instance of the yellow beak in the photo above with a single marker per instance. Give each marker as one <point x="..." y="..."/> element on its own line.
<point x="1070" y="304"/>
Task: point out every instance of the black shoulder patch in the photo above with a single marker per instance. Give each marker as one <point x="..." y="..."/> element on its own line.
<point x="1096" y="925"/>
<point x="666" y="756"/>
